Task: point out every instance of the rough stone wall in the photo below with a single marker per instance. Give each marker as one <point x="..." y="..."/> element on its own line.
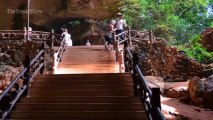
<point x="48" y="12"/>
<point x="207" y="39"/>
<point x="165" y="61"/>
<point x="12" y="56"/>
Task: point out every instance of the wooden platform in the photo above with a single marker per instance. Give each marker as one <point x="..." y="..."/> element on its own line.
<point x="88" y="59"/>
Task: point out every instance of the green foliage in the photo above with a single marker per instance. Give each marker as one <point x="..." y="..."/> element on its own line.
<point x="196" y="51"/>
<point x="177" y="21"/>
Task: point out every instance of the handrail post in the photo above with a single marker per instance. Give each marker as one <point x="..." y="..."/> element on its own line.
<point x="126" y="43"/>
<point x="155" y="102"/>
<point x="130" y="38"/>
<point x="150" y="36"/>
<point x="156" y="98"/>
<point x="125" y="60"/>
<point x="117" y="49"/>
<point x="27" y="74"/>
<point x="135" y="76"/>
<point x="25" y="34"/>
<point x="43" y="58"/>
<point x="52" y="38"/>
<point x="113" y="39"/>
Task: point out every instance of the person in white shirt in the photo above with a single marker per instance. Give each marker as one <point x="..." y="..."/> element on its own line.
<point x="88" y="43"/>
<point x="120" y="24"/>
<point x="67" y="37"/>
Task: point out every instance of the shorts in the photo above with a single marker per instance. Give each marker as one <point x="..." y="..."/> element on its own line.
<point x="108" y="39"/>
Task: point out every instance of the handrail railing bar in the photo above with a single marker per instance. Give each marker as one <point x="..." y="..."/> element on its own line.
<point x="143" y="80"/>
<point x="159" y="112"/>
<point x="36" y="71"/>
<point x="121" y="33"/>
<point x="37" y="56"/>
<point x="130" y="54"/>
<point x="12" y="83"/>
<point x="14" y="101"/>
<point x="145" y="91"/>
<point x="10" y="30"/>
<point x="36" y="63"/>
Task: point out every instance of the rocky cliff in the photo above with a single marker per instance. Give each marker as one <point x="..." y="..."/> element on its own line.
<point x="54" y="13"/>
<point x="207" y="39"/>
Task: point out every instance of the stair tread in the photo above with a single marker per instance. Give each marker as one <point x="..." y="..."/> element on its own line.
<point x="83" y="93"/>
<point x="79" y="107"/>
<point x="80" y="99"/>
<point x="89" y="115"/>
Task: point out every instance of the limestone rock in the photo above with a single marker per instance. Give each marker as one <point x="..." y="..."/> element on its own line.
<point x="176" y="89"/>
<point x="207" y="39"/>
<point x="6" y="57"/>
<point x="19" y="56"/>
<point x="209" y="83"/>
<point x="153" y="82"/>
<point x="52" y="14"/>
<point x="208" y="95"/>
<point x="164" y="61"/>
<point x="196" y="89"/>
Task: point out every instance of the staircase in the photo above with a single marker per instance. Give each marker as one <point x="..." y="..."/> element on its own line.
<point x="86" y="86"/>
<point x="88" y="59"/>
<point x="100" y="96"/>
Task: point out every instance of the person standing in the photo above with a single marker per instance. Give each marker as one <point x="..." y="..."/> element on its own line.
<point x="69" y="40"/>
<point x="108" y="36"/>
<point x="119" y="26"/>
<point x="67" y="37"/>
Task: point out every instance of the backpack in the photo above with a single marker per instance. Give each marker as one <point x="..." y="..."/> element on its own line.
<point x="109" y="27"/>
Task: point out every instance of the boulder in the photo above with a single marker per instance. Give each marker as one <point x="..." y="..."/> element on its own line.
<point x="196" y="90"/>
<point x="2" y="76"/>
<point x="1" y="58"/>
<point x="19" y="57"/>
<point x="6" y="57"/>
<point x="207" y="39"/>
<point x="153" y="81"/>
<point x="176" y="89"/>
<point x="208" y="94"/>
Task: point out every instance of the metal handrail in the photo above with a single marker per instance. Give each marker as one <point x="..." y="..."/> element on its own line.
<point x="153" y="112"/>
<point x="13" y="83"/>
<point x="27" y="75"/>
<point x="36" y="57"/>
<point x="7" y="35"/>
<point x="61" y="50"/>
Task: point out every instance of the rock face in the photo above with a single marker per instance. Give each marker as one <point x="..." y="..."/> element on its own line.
<point x="196" y="90"/>
<point x="201" y="91"/>
<point x="165" y="61"/>
<point x="207" y="39"/>
<point x="208" y="94"/>
<point x="12" y="57"/>
<point x="49" y="14"/>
